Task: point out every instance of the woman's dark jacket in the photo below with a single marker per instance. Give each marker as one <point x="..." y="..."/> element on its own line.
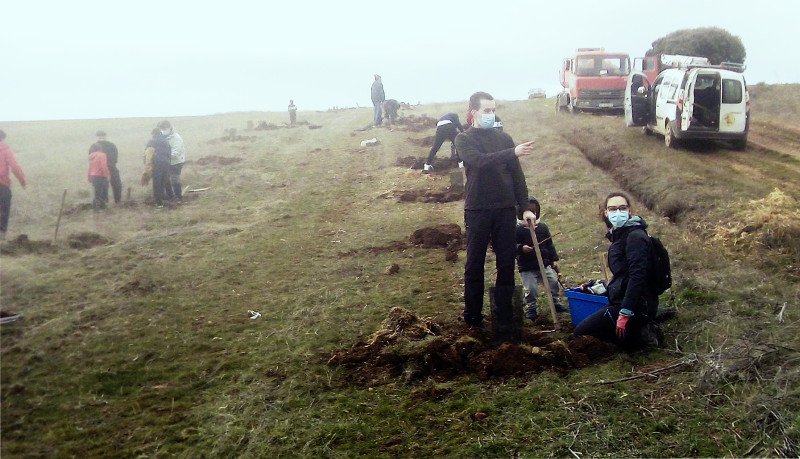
<point x="628" y="259"/>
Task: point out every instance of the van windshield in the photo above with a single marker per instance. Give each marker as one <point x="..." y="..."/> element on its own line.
<point x="602" y="65"/>
<point x="731" y="91"/>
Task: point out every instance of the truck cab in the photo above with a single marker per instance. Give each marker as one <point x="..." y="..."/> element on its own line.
<point x="593" y="80"/>
<point x="691" y="101"/>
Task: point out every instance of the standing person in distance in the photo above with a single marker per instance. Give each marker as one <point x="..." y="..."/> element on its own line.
<point x="112" y="155"/>
<point x="627" y="319"/>
<point x="496" y="194"/>
<point x="8" y="163"/>
<point x="99" y="176"/>
<point x="292" y="113"/>
<point x="447" y="128"/>
<point x="378" y="97"/>
<point x="178" y="157"/>
<point x="160" y="162"/>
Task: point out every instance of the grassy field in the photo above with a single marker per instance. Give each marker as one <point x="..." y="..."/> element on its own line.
<point x="145" y="347"/>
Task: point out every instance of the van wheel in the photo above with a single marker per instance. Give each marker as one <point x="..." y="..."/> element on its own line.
<point x="740" y="144"/>
<point x="669" y="137"/>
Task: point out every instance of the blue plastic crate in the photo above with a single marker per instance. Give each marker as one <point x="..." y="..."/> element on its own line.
<point x="582" y="305"/>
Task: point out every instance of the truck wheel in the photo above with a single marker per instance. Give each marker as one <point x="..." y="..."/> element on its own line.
<point x="740" y="144"/>
<point x="669" y="137"/>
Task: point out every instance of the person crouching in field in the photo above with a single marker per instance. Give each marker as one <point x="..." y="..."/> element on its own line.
<point x="159" y="165"/>
<point x="8" y="163"/>
<point x="99" y="176"/>
<point x="528" y="264"/>
<point x="627" y="320"/>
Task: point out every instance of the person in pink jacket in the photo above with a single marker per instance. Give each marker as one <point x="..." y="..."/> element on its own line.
<point x="8" y="163"/>
<point x="99" y="175"/>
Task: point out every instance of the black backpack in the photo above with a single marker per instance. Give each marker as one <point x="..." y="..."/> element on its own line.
<point x="659" y="272"/>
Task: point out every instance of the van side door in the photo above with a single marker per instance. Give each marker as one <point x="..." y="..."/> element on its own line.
<point x="637" y="100"/>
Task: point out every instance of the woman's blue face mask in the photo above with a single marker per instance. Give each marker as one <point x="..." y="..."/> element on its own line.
<point x="618" y="217"/>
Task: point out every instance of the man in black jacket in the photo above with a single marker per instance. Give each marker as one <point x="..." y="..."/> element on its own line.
<point x="113" y="155"/>
<point x="496" y="193"/>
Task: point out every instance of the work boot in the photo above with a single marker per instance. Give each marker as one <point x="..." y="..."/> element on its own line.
<point x="559" y="307"/>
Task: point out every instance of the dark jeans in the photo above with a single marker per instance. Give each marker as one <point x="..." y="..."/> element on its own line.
<point x="116" y="184"/>
<point x="603" y="325"/>
<point x="5" y="207"/>
<point x="160" y="182"/>
<point x="100" y="185"/>
<point x="499" y="227"/>
<point x="444" y="132"/>
<point x="175" y="180"/>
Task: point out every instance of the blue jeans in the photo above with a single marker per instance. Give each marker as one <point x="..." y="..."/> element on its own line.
<point x="530" y="284"/>
<point x="376" y="114"/>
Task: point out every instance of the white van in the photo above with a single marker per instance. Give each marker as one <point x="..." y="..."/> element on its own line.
<point x="693" y="102"/>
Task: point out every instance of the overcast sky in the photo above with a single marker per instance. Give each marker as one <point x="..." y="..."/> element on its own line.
<point x="102" y="59"/>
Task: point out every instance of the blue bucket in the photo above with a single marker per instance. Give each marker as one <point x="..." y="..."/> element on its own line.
<point x="582" y="305"/>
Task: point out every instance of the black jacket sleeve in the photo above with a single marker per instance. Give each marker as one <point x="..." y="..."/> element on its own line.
<point x="637" y="253"/>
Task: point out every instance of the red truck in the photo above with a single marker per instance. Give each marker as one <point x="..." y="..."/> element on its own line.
<point x="593" y="80"/>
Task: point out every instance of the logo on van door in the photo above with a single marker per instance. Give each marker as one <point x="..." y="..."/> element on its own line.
<point x="729" y="119"/>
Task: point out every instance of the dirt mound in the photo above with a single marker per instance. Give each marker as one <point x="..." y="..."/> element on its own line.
<point x="426" y="141"/>
<point x="416" y="348"/>
<point x="218" y="160"/>
<point x="423" y="195"/>
<point x="446" y="235"/>
<point x="415" y="123"/>
<point x="21" y="245"/>
<point x="437" y="236"/>
<point x="86" y="240"/>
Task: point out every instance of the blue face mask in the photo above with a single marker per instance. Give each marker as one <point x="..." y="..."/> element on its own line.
<point x="487" y="120"/>
<point x="618" y="217"/>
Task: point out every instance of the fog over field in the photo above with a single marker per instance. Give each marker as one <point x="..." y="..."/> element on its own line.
<point x="90" y="59"/>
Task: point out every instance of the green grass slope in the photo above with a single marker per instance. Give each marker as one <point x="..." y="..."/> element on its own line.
<point x="146" y="346"/>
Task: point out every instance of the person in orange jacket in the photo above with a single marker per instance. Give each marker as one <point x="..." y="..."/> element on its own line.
<point x="8" y="163"/>
<point x="99" y="175"/>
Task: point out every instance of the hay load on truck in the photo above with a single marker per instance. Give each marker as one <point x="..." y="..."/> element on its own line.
<point x="593" y="80"/>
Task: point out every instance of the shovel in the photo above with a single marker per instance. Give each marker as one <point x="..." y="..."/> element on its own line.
<point x="545" y="284"/>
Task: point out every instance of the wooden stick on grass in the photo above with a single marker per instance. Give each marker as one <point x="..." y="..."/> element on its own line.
<point x="60" y="210"/>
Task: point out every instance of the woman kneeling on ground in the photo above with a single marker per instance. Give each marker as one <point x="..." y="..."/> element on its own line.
<point x="627" y="320"/>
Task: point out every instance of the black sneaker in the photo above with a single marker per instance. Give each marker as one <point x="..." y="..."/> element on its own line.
<point x="651" y="335"/>
<point x="560" y="308"/>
